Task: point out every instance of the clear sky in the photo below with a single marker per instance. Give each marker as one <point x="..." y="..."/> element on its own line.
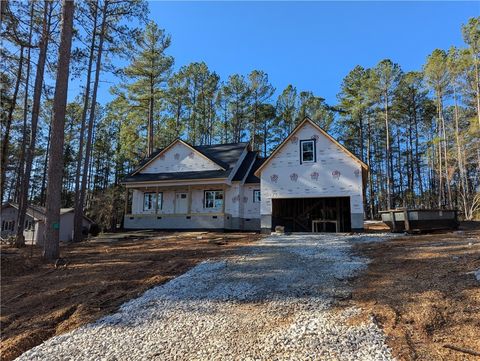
<point x="311" y="45"/>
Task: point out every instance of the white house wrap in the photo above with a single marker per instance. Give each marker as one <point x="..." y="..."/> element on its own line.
<point x="228" y="186"/>
<point x="334" y="172"/>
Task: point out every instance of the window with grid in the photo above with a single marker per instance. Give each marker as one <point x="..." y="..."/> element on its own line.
<point x="149" y="200"/>
<point x="307" y="151"/>
<point x="256" y="196"/>
<point x="213" y="199"/>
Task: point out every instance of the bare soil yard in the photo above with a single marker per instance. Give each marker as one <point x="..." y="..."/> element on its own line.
<point x="422" y="291"/>
<point x="39" y="301"/>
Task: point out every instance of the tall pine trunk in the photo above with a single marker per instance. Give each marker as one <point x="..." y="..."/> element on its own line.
<point x="8" y="125"/>
<point x="21" y="163"/>
<point x="463" y="178"/>
<point x="91" y="123"/>
<point x="43" y="189"/>
<point x="440" y="166"/>
<point x="388" y="155"/>
<point x="51" y="249"/>
<point x="30" y="151"/>
<point x="477" y="87"/>
<point x="445" y="158"/>
<point x="78" y="213"/>
<point x="151" y="101"/>
<point x="417" y="155"/>
<point x="370" y="175"/>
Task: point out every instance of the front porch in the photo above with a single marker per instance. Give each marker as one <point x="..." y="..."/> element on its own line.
<point x="177" y="207"/>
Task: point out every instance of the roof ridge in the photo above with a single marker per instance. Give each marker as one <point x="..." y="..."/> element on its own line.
<point x="219" y="144"/>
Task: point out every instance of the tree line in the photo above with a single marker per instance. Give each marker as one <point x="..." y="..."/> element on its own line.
<point x="418" y="131"/>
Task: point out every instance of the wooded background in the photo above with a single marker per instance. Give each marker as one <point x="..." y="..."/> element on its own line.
<point x="417" y="131"/>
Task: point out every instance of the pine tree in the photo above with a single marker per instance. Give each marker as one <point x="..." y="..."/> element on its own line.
<point x="386" y="76"/>
<point x="287" y="112"/>
<point x="260" y="92"/>
<point x="471" y="36"/>
<point x="149" y="71"/>
<point x="436" y="75"/>
<point x="30" y="150"/>
<point x="51" y="249"/>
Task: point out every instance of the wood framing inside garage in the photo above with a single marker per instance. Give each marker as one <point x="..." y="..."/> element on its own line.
<point x="298" y="214"/>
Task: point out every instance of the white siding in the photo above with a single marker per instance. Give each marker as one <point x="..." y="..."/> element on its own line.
<point x="334" y="174"/>
<point x="180" y="158"/>
<point x="66" y="226"/>
<point x="65" y="232"/>
<point x="10" y="214"/>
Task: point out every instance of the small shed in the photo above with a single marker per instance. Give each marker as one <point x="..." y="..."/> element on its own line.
<point x="34" y="226"/>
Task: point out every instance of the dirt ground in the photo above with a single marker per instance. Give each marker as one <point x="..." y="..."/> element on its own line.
<point x="39" y="301"/>
<point x="422" y="291"/>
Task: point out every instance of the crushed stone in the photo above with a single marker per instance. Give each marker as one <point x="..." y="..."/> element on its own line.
<point x="273" y="302"/>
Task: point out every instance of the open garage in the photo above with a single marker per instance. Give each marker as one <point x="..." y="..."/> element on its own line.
<point x="327" y="214"/>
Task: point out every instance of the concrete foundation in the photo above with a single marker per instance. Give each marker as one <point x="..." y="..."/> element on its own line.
<point x="190" y="222"/>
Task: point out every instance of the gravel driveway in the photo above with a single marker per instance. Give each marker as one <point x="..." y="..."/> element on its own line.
<point x="274" y="302"/>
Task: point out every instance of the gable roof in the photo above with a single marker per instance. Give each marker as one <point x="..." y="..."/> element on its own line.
<point x="251" y="177"/>
<point x="227" y="154"/>
<point x="156" y="154"/>
<point x="245" y="166"/>
<point x="316" y="126"/>
<point x="224" y="155"/>
<point x="40" y="213"/>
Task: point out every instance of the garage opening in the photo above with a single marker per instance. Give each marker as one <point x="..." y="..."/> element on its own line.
<point x="329" y="214"/>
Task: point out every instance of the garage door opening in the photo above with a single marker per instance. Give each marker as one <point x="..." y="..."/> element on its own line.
<point x="330" y="214"/>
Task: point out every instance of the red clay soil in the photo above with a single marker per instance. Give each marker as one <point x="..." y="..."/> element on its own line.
<point x="422" y="291"/>
<point x="39" y="301"/>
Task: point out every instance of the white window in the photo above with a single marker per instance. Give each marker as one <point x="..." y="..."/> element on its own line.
<point x="8" y="225"/>
<point x="149" y="200"/>
<point x="28" y="225"/>
<point x="256" y="196"/>
<point x="160" y="200"/>
<point x="213" y="199"/>
<point x="307" y="150"/>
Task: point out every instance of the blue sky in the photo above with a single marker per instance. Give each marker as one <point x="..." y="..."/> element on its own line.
<point x="311" y="45"/>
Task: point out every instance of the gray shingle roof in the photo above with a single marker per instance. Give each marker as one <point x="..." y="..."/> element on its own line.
<point x="228" y="154"/>
<point x="204" y="174"/>
<point x="251" y="177"/>
<point x="225" y="155"/>
<point x="39" y="212"/>
<point x="245" y="166"/>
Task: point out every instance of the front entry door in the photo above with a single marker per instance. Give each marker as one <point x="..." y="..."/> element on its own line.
<point x="181" y="202"/>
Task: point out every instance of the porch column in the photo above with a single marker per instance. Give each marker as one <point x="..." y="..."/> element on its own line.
<point x="126" y="201"/>
<point x="189" y="209"/>
<point x="224" y="198"/>
<point x="156" y="199"/>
